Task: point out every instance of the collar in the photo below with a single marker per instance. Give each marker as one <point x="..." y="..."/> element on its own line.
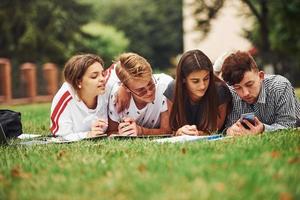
<point x="262" y="94"/>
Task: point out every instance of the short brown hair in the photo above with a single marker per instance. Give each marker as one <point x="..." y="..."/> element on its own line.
<point x="235" y="66"/>
<point x="133" y="66"/>
<point x="77" y="65"/>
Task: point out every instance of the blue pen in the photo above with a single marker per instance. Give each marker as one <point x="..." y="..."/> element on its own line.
<point x="212" y="137"/>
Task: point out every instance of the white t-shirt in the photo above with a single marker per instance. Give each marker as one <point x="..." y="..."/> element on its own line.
<point x="111" y="78"/>
<point x="70" y="117"/>
<point x="149" y="116"/>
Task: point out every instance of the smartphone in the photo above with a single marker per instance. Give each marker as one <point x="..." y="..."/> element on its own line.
<point x="249" y="117"/>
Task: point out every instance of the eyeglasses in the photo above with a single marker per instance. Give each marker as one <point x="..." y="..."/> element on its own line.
<point x="142" y="91"/>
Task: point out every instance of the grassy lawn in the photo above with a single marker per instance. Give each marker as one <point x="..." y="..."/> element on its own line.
<point x="298" y="92"/>
<point x="261" y="167"/>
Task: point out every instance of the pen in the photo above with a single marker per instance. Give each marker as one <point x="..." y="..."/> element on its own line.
<point x="212" y="137"/>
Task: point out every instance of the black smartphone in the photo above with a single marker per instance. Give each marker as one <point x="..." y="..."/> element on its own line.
<point x="249" y="117"/>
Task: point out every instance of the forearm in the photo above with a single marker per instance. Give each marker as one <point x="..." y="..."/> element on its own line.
<point x="154" y="131"/>
<point x="74" y="136"/>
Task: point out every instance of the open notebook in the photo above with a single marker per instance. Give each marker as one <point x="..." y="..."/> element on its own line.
<point x="117" y="136"/>
<point x="189" y="138"/>
<point x="54" y="140"/>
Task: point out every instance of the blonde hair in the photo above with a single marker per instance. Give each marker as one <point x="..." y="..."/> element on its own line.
<point x="133" y="66"/>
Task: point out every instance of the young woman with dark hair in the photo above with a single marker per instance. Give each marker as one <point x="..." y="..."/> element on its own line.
<point x="200" y="100"/>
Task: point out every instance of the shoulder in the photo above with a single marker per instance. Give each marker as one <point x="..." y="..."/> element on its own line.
<point x="113" y="91"/>
<point x="276" y="84"/>
<point x="163" y="79"/>
<point x="275" y="80"/>
<point x="223" y="91"/>
<point x="63" y="96"/>
<point x="169" y="92"/>
<point x="111" y="77"/>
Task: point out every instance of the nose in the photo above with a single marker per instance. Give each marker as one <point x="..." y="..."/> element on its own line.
<point x="245" y="92"/>
<point x="149" y="91"/>
<point x="101" y="78"/>
<point x="201" y="85"/>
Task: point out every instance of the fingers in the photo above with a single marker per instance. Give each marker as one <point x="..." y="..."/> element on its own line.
<point x="129" y="133"/>
<point x="127" y="128"/>
<point x="239" y="125"/>
<point x="251" y="126"/>
<point x="236" y="129"/>
<point x="256" y="120"/>
<point x="233" y="132"/>
<point x="128" y="119"/>
<point x="99" y="126"/>
<point x="189" y="130"/>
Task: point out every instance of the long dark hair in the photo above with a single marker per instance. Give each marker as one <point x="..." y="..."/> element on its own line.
<point x="192" y="61"/>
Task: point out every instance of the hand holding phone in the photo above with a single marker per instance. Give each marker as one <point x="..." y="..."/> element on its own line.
<point x="249" y="117"/>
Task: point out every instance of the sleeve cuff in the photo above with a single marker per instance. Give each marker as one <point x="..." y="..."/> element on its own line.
<point x="76" y="136"/>
<point x="270" y="128"/>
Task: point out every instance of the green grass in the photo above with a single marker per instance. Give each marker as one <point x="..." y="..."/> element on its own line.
<point x="297" y="91"/>
<point x="260" y="167"/>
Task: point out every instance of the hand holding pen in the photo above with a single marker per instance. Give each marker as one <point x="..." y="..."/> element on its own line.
<point x="98" y="127"/>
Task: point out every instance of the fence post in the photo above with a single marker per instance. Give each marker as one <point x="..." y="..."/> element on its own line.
<point x="5" y="76"/>
<point x="28" y="76"/>
<point x="50" y="75"/>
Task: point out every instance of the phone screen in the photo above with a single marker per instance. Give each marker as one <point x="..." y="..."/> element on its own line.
<point x="249" y="117"/>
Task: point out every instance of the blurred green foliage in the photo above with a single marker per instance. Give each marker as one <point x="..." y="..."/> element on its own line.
<point x="274" y="33"/>
<point x="38" y="31"/>
<point x="283" y="35"/>
<point x="154" y="28"/>
<point x="53" y="30"/>
<point x="103" y="40"/>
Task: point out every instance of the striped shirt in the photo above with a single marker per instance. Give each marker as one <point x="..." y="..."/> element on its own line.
<point x="277" y="106"/>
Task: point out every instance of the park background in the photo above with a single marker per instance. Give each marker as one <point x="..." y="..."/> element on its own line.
<point x="261" y="167"/>
<point x="46" y="31"/>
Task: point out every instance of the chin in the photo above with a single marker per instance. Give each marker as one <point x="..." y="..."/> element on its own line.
<point x="251" y="101"/>
<point x="149" y="99"/>
<point x="199" y="96"/>
<point x="101" y="92"/>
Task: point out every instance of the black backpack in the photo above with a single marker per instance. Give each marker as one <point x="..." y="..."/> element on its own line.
<point x="11" y="123"/>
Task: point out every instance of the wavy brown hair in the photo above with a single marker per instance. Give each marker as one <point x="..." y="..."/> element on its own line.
<point x="192" y="61"/>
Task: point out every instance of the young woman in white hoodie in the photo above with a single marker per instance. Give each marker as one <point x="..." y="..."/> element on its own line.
<point x="79" y="109"/>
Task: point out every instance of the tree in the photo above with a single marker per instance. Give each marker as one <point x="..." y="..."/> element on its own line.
<point x="41" y="30"/>
<point x="275" y="32"/>
<point x="103" y="40"/>
<point x="154" y="28"/>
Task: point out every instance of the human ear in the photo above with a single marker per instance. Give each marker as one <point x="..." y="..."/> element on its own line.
<point x="261" y="75"/>
<point x="79" y="83"/>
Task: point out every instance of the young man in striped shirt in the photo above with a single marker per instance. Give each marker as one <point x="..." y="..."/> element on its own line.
<point x="270" y="97"/>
